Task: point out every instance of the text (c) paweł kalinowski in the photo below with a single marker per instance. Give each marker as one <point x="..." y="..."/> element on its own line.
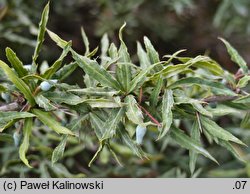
<point x="58" y="185"/>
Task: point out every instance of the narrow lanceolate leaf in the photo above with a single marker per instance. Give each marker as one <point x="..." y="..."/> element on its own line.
<point x="48" y="120"/>
<point x="216" y="131"/>
<point x="198" y="106"/>
<point x="245" y="123"/>
<point x="167" y="115"/>
<point x="59" y="150"/>
<point x="130" y="143"/>
<point x="152" y="53"/>
<point x="15" y="62"/>
<point x="103" y="103"/>
<point x="40" y="36"/>
<point x="243" y="82"/>
<point x="60" y="42"/>
<point x="170" y="70"/>
<point x="140" y="78"/>
<point x="186" y="142"/>
<point x="85" y="41"/>
<point x="98" y="91"/>
<point x="143" y="57"/>
<point x="63" y="97"/>
<point x="8" y="117"/>
<point x="233" y="149"/>
<point x="244" y="99"/>
<point x="235" y="57"/>
<point x="218" y="88"/>
<point x="18" y="83"/>
<point x="97" y="124"/>
<point x="154" y="97"/>
<point x="211" y="66"/>
<point x="123" y="72"/>
<point x="133" y="112"/>
<point x="104" y="49"/>
<point x="96" y="154"/>
<point x="94" y="70"/>
<point x="44" y="103"/>
<point x="112" y="123"/>
<point x="57" y="64"/>
<point x="195" y="134"/>
<point x="65" y="71"/>
<point x="113" y="52"/>
<point x="27" y="128"/>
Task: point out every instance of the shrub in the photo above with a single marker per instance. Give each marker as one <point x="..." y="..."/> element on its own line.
<point x="177" y="100"/>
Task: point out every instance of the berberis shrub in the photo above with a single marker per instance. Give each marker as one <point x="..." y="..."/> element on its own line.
<point x="177" y="100"/>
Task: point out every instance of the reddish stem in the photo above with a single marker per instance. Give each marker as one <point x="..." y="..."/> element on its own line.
<point x="150" y="116"/>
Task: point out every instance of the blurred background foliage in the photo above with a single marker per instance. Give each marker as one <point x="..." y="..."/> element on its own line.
<point x="171" y="25"/>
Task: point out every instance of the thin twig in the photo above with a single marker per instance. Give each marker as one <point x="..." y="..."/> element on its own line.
<point x="10" y="107"/>
<point x="219" y="98"/>
<point x="150" y="116"/>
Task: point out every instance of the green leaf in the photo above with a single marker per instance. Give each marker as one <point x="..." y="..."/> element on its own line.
<point x="63" y="97"/>
<point x="245" y="123"/>
<point x="140" y="78"/>
<point x="27" y="128"/>
<point x="65" y="71"/>
<point x="40" y="36"/>
<point x="195" y="134"/>
<point x="186" y="142"/>
<point x="18" y="83"/>
<point x="143" y="57"/>
<point x="103" y="103"/>
<point x="133" y="112"/>
<point x="95" y="91"/>
<point x="124" y="136"/>
<point x="60" y="42"/>
<point x="123" y="71"/>
<point x="167" y="115"/>
<point x="59" y="150"/>
<point x="170" y="71"/>
<point x="104" y="50"/>
<point x="7" y="117"/>
<point x="96" y="154"/>
<point x="97" y="124"/>
<point x="233" y="149"/>
<point x="244" y="99"/>
<point x="181" y="98"/>
<point x="173" y="56"/>
<point x="197" y="106"/>
<point x="57" y="64"/>
<point x="85" y="41"/>
<point x="44" y="103"/>
<point x="243" y="82"/>
<point x="235" y="57"/>
<point x="113" y="52"/>
<point x="93" y="69"/>
<point x="216" y="131"/>
<point x="15" y="62"/>
<point x="152" y="53"/>
<point x="154" y="97"/>
<point x="112" y="123"/>
<point x="211" y="66"/>
<point x="48" y="120"/>
<point x="218" y="88"/>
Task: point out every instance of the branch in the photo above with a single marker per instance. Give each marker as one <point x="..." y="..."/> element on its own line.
<point x="219" y="98"/>
<point x="10" y="107"/>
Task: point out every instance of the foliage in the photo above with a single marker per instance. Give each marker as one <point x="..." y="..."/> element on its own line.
<point x="177" y="100"/>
